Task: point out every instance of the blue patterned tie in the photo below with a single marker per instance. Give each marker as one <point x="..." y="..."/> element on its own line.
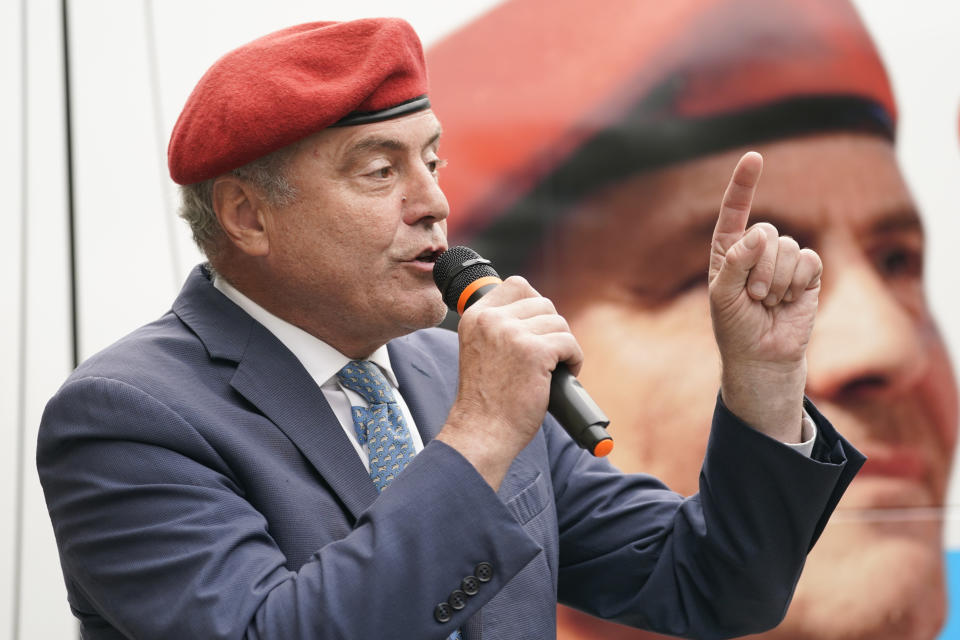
<point x="380" y="426"/>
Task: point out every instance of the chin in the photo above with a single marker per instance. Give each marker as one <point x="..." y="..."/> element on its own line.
<point x="425" y="313"/>
<point x="435" y="313"/>
<point x="880" y="580"/>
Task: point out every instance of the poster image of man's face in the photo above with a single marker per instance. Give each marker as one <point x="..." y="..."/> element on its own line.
<point x="628" y="273"/>
<point x="598" y="176"/>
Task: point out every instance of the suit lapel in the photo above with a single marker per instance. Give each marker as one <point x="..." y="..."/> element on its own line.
<point x="272" y="379"/>
<point x="422" y="385"/>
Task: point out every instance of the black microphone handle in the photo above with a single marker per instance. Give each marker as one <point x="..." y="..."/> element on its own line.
<point x="576" y="411"/>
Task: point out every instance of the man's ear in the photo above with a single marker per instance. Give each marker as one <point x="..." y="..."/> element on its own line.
<point x="240" y="210"/>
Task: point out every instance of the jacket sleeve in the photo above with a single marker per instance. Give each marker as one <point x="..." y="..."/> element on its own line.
<point x="721" y="563"/>
<point x="156" y="535"/>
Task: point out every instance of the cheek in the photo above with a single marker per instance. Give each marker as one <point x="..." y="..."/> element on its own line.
<point x="655" y="373"/>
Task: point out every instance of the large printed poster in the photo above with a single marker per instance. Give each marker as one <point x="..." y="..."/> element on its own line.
<point x="589" y="146"/>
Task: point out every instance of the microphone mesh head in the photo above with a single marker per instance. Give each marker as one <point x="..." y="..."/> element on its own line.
<point x="452" y="277"/>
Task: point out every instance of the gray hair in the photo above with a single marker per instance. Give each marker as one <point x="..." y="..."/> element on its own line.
<point x="268" y="174"/>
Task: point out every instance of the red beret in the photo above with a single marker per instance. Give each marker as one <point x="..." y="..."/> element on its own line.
<point x="292" y="83"/>
<point x="548" y="99"/>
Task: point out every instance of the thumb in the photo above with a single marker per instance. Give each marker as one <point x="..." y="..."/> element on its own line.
<point x="735" y="265"/>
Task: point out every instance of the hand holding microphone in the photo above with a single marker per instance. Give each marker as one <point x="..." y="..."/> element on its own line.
<point x="516" y="324"/>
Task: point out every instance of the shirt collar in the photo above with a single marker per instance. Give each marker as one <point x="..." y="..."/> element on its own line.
<point x="320" y="360"/>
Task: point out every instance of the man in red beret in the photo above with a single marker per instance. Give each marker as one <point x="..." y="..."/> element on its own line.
<point x="293" y="451"/>
<point x="588" y="145"/>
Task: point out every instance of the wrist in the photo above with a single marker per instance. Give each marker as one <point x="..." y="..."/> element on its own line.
<point x="483" y="442"/>
<point x="767" y="396"/>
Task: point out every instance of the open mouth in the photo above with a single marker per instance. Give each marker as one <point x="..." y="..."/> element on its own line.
<point x="429" y="256"/>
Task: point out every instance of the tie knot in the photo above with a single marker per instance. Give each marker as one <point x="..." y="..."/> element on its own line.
<point x="366" y="379"/>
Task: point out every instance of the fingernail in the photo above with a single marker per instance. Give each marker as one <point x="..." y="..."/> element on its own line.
<point x="752" y="239"/>
<point x="759" y="290"/>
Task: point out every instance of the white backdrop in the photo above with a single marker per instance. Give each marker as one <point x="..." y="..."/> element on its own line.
<point x="133" y="64"/>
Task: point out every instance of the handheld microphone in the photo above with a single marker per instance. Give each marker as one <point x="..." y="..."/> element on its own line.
<point x="464" y="277"/>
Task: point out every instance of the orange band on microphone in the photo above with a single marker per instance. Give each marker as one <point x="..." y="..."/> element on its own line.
<point x="604" y="447"/>
<point x="471" y="289"/>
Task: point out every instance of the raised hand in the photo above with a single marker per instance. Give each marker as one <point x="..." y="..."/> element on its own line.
<point x="763" y="300"/>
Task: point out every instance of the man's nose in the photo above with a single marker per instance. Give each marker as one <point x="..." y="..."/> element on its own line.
<point x="425" y="202"/>
<point x="866" y="342"/>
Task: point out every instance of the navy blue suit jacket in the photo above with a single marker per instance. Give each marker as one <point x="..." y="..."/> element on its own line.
<point x="200" y="487"/>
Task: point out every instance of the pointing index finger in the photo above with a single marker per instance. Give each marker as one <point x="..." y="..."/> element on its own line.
<point x="735" y="207"/>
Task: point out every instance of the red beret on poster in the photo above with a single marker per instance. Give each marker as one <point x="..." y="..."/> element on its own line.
<point x="290" y="84"/>
<point x="545" y="100"/>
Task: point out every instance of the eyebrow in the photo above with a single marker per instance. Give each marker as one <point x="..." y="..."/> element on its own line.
<point x="907" y="219"/>
<point x="377" y="143"/>
<point x="898" y="219"/>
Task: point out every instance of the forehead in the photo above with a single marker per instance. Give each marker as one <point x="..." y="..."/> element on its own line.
<point x="809" y="183"/>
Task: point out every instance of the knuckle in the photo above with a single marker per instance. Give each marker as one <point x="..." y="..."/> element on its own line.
<point x="813" y="258"/>
<point x="555" y="324"/>
<point x="530" y="348"/>
<point x="768" y="229"/>
<point x="468" y="319"/>
<point x="790" y="244"/>
<point x="810" y="254"/>
<point x="782" y="278"/>
<point x="549" y="307"/>
<point x="736" y="254"/>
<point x="765" y="266"/>
<point x="518" y="282"/>
<point x="483" y="318"/>
<point x="560" y="331"/>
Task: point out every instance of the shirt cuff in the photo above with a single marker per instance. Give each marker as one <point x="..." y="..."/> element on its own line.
<point x="808" y="435"/>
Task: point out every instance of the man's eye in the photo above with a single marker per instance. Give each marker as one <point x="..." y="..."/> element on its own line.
<point x="655" y="292"/>
<point x="435" y="165"/>
<point x="382" y="173"/>
<point x="698" y="279"/>
<point x="899" y="262"/>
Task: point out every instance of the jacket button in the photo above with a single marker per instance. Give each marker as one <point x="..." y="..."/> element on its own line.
<point x="457" y="599"/>
<point x="470" y="585"/>
<point x="483" y="571"/>
<point x="443" y="612"/>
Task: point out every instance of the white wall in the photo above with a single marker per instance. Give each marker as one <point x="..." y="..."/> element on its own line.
<point x="133" y="65"/>
<point x="34" y="261"/>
